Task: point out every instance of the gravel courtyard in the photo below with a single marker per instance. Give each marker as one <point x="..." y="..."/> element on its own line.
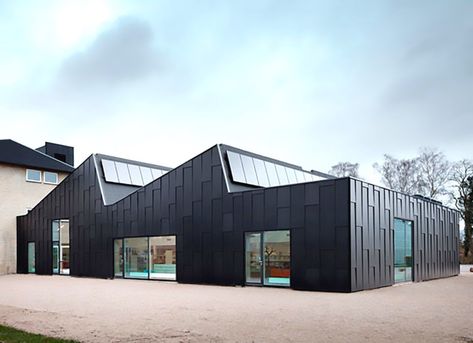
<point x="94" y="310"/>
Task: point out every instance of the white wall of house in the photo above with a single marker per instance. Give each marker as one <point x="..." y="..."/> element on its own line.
<point x="16" y="196"/>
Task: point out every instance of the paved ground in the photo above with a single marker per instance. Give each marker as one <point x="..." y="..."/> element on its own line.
<point x="140" y="311"/>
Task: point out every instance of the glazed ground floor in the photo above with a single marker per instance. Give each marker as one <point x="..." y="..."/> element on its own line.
<point x="267" y="255"/>
<point x="97" y="310"/>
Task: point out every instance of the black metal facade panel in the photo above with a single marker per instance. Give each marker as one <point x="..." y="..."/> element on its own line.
<point x="435" y="236"/>
<point x="192" y="203"/>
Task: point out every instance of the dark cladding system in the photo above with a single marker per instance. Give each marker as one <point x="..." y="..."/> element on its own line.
<point x="231" y="217"/>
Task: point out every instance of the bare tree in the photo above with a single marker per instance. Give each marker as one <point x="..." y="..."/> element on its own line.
<point x="462" y="176"/>
<point x="434" y="173"/>
<point x="400" y="175"/>
<point x="344" y="169"/>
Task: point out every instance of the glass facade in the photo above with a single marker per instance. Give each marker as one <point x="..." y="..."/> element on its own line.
<point x="31" y="257"/>
<point x="136" y="257"/>
<point x="145" y="258"/>
<point x="402" y="250"/>
<point x="162" y="257"/>
<point x="277" y="258"/>
<point x="268" y="258"/>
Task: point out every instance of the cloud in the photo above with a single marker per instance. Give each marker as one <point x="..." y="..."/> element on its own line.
<point x="121" y="54"/>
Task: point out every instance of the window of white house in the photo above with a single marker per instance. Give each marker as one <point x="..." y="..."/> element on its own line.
<point x="33" y="175"/>
<point x="50" y="177"/>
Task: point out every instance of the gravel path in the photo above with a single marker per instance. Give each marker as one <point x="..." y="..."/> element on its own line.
<point x="94" y="310"/>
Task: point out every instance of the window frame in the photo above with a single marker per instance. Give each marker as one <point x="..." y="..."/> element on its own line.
<point x="50" y="183"/>
<point x="33" y="180"/>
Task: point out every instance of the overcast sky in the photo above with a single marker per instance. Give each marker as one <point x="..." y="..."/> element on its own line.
<point x="308" y="82"/>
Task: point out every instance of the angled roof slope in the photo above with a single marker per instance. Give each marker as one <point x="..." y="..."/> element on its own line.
<point x="15" y="153"/>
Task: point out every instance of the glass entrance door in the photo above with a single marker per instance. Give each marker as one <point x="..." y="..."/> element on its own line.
<point x="402" y="250"/>
<point x="268" y="258"/>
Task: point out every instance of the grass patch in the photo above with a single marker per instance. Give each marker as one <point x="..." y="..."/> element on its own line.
<point x="11" y="335"/>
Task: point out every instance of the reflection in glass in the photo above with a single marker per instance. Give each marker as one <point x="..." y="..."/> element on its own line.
<point x="254" y="262"/>
<point x="277" y="258"/>
<point x="162" y="257"/>
<point x="136" y="257"/>
<point x="402" y="250"/>
<point x="118" y="257"/>
<point x="31" y="257"/>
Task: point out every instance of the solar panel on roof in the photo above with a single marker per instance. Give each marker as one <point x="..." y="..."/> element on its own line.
<point x="146" y="174"/>
<point x="249" y="170"/>
<point x="272" y="175"/>
<point x="123" y="173"/>
<point x="135" y="175"/>
<point x="236" y="167"/>
<point x="109" y="171"/>
<point x="129" y="174"/>
<point x="261" y="172"/>
<point x="256" y="172"/>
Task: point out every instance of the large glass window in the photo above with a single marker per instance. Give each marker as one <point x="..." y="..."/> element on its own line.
<point x="136" y="257"/>
<point x="402" y="250"/>
<point x="268" y="258"/>
<point x="145" y="257"/>
<point x="162" y="257"/>
<point x="31" y="258"/>
<point x="277" y="258"/>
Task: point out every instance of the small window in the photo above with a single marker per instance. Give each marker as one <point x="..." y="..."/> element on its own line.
<point x="50" y="177"/>
<point x="33" y="175"/>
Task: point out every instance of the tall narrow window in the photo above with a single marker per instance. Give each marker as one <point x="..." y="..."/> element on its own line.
<point x="31" y="258"/>
<point x="118" y="257"/>
<point x="60" y="246"/>
<point x="402" y="250"/>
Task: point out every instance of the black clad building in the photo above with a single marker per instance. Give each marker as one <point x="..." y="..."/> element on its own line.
<point x="231" y="217"/>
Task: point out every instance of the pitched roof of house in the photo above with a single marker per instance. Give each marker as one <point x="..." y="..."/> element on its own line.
<point x="14" y="153"/>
